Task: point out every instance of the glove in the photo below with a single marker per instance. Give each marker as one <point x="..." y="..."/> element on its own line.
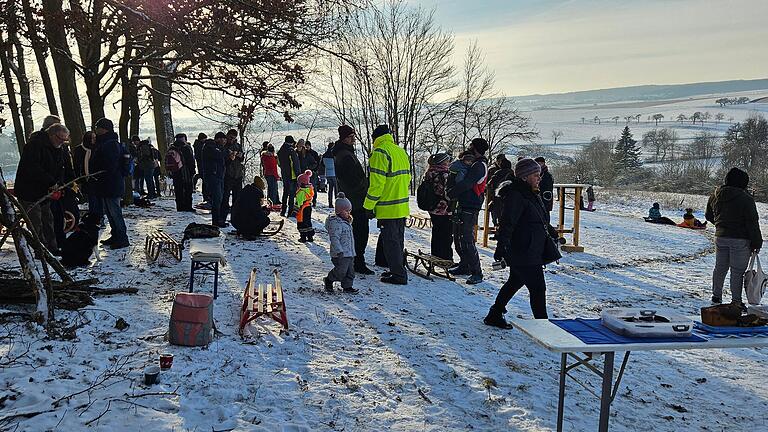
<point x="553" y="232"/>
<point x="370" y="214"/>
<point x="502" y="250"/>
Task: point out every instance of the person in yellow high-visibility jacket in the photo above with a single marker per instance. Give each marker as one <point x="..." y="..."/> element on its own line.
<point x="387" y="199"/>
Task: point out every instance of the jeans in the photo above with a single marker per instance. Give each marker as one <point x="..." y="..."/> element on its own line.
<point x="442" y="236"/>
<point x="216" y="189"/>
<point x="533" y="278"/>
<point x="331" y="190"/>
<point x="272" y="189"/>
<point x="464" y="240"/>
<point x="360" y="230"/>
<point x="119" y="232"/>
<point x="95" y="206"/>
<point x="41" y="218"/>
<point x="289" y="194"/>
<point x="231" y="187"/>
<point x="730" y="254"/>
<point x="393" y="241"/>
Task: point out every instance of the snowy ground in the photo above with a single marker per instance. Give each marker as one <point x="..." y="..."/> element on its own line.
<point x="390" y="358"/>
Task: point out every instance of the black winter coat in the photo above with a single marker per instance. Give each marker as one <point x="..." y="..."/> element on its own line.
<point x="107" y="157"/>
<point x="734" y="214"/>
<point x="213" y="160"/>
<point x="309" y="161"/>
<point x="234" y="168"/>
<point x="41" y="166"/>
<point x="288" y="160"/>
<point x="350" y="174"/>
<point x="187" y="172"/>
<point x="248" y="217"/>
<point x="546" y="187"/>
<point x="523" y="226"/>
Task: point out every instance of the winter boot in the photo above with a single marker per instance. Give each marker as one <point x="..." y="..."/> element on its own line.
<point x="495" y="318"/>
<point x="328" y="284"/>
<point x="475" y="279"/>
<point x="303" y="239"/>
<point x="716" y="300"/>
<point x="350" y="290"/>
<point x="458" y="270"/>
<point x="361" y="268"/>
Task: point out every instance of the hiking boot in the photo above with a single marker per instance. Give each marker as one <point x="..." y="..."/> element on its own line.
<point x="328" y="284"/>
<point x="119" y="245"/>
<point x="475" y="279"/>
<point x="742" y="306"/>
<point x="107" y="241"/>
<point x="303" y="239"/>
<point x="386" y="274"/>
<point x="311" y="239"/>
<point x="716" y="300"/>
<point x="395" y="280"/>
<point x="458" y="271"/>
<point x="363" y="269"/>
<point x="495" y="318"/>
<point x="350" y="290"/>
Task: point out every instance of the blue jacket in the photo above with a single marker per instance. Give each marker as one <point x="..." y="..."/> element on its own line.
<point x="107" y="157"/>
<point x="213" y="160"/>
<point x="469" y="191"/>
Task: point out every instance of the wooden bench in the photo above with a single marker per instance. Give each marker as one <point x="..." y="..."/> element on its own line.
<point x="157" y="241"/>
<point x="418" y="221"/>
<point x="431" y="265"/>
<point x="264" y="301"/>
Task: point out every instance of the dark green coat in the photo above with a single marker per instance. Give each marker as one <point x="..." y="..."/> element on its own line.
<point x="734" y="214"/>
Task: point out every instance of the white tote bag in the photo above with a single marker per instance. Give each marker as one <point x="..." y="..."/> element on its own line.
<point x="755" y="280"/>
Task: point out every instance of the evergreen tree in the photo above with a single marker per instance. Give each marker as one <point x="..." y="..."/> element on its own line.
<point x="627" y="154"/>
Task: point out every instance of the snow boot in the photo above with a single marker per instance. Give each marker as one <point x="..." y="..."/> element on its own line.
<point x="495" y="318"/>
<point x="475" y="279"/>
<point x="302" y="239"/>
<point x="350" y="290"/>
<point x="361" y="268"/>
<point x="458" y="271"/>
<point x="328" y="284"/>
<point x="716" y="300"/>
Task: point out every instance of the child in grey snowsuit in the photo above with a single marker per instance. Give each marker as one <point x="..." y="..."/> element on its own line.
<point x="339" y="227"/>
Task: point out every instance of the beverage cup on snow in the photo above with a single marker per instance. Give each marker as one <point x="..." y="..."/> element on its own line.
<point x="151" y="375"/>
<point x="166" y="361"/>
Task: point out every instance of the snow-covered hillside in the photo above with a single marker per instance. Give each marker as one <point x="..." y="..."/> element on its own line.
<point x="397" y="358"/>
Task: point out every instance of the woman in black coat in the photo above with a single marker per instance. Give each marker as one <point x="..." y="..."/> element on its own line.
<point x="522" y="232"/>
<point x="248" y="216"/>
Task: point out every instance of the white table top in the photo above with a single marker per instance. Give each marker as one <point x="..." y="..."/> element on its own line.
<point x="555" y="339"/>
<point x="206" y="249"/>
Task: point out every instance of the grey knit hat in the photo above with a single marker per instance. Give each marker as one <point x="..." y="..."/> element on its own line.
<point x="342" y="203"/>
<point x="525" y="167"/>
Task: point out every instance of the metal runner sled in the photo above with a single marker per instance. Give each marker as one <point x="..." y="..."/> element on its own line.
<point x="156" y="241"/>
<point x="263" y="301"/>
<point x="432" y="265"/>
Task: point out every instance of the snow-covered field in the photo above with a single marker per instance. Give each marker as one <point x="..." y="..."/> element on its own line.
<point x="398" y="358"/>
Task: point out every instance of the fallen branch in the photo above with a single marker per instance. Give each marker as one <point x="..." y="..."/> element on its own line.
<point x="423" y="396"/>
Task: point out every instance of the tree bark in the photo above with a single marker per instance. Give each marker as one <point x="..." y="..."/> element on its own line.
<point x="65" y="69"/>
<point x="161" y="106"/>
<point x="40" y="49"/>
<point x="88" y="36"/>
<point x="13" y="105"/>
<point x="25" y="92"/>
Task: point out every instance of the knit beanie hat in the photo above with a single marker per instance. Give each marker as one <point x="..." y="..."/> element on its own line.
<point x="304" y="179"/>
<point x="379" y="131"/>
<point x="525" y="167"/>
<point x="480" y="145"/>
<point x="439" y="158"/>
<point x="737" y="178"/>
<point x="342" y="203"/>
<point x="345" y="131"/>
<point x="104" y="123"/>
<point x="259" y="183"/>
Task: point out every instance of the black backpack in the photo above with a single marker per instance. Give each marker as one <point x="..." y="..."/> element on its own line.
<point x="196" y="230"/>
<point x="426" y="198"/>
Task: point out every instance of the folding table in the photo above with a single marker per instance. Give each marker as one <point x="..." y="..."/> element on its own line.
<point x="555" y="339"/>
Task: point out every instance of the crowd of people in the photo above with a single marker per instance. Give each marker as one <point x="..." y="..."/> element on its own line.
<point x="453" y="191"/>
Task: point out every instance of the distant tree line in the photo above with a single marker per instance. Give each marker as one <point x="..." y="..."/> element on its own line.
<point x="696" y="166"/>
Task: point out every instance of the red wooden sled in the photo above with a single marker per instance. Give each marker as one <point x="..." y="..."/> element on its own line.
<point x="263" y="301"/>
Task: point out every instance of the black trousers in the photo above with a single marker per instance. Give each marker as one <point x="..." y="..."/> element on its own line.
<point x="231" y="187"/>
<point x="183" y="193"/>
<point x="360" y="231"/>
<point x="533" y="278"/>
<point x="442" y="236"/>
<point x="289" y="194"/>
<point x="392" y="242"/>
<point x="464" y="240"/>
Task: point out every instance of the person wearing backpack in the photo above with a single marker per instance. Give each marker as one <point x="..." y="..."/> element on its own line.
<point x="432" y="197"/>
<point x="180" y="165"/>
<point x="468" y="190"/>
<point x="108" y="156"/>
<point x="146" y="163"/>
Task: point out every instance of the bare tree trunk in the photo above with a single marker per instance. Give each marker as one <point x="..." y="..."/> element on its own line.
<point x="88" y="37"/>
<point x="40" y="49"/>
<point x="65" y="69"/>
<point x="25" y="93"/>
<point x="18" y="129"/>
<point x="161" y="107"/>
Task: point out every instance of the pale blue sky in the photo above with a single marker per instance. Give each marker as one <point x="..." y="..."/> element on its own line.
<point x="552" y="46"/>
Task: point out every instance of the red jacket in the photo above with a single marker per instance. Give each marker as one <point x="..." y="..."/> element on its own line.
<point x="269" y="164"/>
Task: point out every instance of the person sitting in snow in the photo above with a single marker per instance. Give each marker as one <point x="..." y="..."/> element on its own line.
<point x="249" y="217"/>
<point x="342" y="239"/>
<point x="689" y="220"/>
<point x="654" y="216"/>
<point x="303" y="206"/>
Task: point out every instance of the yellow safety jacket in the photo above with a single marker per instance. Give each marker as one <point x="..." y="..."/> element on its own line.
<point x="389" y="180"/>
